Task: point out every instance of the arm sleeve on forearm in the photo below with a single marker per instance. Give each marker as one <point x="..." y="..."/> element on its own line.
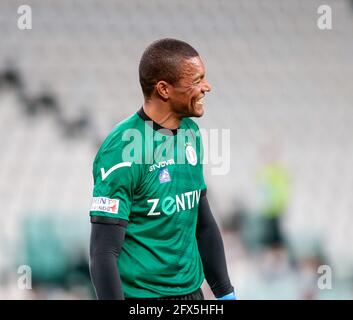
<point x="211" y="250"/>
<point x="105" y="246"/>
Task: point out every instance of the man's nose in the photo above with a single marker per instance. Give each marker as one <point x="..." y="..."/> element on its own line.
<point x="206" y="87"/>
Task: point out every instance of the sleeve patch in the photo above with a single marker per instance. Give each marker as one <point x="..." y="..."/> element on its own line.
<point x="105" y="205"/>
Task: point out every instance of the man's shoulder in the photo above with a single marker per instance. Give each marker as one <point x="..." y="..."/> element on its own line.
<point x="116" y="138"/>
<point x="128" y="123"/>
<point x="132" y="122"/>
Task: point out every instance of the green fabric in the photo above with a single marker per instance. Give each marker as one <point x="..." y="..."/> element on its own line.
<point x="159" y="196"/>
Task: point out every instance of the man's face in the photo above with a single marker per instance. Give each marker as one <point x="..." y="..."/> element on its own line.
<point x="187" y="95"/>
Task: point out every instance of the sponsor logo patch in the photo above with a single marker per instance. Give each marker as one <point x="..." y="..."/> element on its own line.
<point x="164" y="176"/>
<point x="105" y="205"/>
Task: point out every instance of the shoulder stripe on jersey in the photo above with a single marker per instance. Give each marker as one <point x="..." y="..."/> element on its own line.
<point x="117" y="166"/>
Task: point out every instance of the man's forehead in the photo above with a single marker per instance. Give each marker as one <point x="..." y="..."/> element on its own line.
<point x="192" y="66"/>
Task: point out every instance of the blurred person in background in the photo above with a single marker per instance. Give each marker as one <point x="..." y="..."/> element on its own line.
<point x="140" y="247"/>
<point x="273" y="192"/>
<point x="273" y="184"/>
<point x="273" y="195"/>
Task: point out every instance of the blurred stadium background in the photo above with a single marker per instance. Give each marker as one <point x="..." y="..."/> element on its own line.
<point x="283" y="87"/>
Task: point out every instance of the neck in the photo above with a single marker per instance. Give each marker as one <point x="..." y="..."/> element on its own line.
<point x="161" y="113"/>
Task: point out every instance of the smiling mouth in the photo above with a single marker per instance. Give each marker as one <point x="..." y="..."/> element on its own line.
<point x="200" y="101"/>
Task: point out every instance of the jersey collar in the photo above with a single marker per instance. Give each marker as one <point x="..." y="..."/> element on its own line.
<point x="156" y="126"/>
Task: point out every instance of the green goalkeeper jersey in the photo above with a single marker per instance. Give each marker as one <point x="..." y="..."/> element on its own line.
<point x="152" y="178"/>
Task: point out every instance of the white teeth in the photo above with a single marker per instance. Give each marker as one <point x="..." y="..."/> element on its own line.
<point x="200" y="101"/>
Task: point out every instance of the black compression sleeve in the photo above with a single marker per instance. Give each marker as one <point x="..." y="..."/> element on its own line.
<point x="211" y="250"/>
<point x="105" y="246"/>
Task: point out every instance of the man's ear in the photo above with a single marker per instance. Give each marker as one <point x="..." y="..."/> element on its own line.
<point x="162" y="88"/>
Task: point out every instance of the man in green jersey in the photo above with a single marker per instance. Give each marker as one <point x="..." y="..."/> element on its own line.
<point x="153" y="234"/>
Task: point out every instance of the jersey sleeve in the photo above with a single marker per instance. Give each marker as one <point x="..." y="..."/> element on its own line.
<point x="114" y="183"/>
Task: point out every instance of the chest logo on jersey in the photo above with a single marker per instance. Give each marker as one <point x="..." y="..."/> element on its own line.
<point x="191" y="155"/>
<point x="169" y="205"/>
<point x="164" y="175"/>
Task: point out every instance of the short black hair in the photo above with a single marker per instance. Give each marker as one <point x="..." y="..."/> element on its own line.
<point x="161" y="61"/>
